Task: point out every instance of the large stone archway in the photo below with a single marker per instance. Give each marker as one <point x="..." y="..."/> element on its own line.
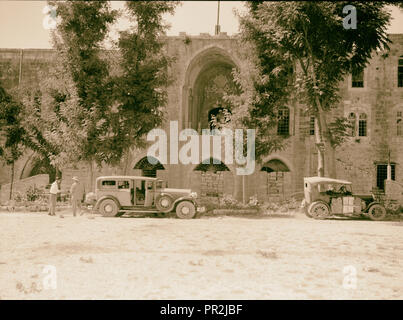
<point x="208" y="77"/>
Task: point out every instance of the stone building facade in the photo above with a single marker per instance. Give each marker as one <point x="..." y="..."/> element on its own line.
<point x="372" y="101"/>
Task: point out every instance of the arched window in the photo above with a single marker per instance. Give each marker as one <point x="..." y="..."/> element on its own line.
<point x="352" y="120"/>
<point x="212" y="178"/>
<point x="400" y="72"/>
<point x="275" y="178"/>
<point x="399" y="123"/>
<point x="362" y="125"/>
<point x="283" y="125"/>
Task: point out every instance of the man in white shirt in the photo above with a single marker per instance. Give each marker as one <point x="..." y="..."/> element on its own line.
<point x="54" y="190"/>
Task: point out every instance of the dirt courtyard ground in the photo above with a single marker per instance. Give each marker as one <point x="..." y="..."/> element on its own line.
<point x="91" y="257"/>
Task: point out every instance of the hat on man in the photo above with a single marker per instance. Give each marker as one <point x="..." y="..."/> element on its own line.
<point x="76" y="179"/>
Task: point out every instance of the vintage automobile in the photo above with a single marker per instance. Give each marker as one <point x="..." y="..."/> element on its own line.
<point x="325" y="197"/>
<point x="118" y="195"/>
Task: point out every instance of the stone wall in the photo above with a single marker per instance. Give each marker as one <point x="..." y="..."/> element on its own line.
<point x="21" y="186"/>
<point x="355" y="160"/>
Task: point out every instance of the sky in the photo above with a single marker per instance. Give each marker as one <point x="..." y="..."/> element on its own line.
<point x="21" y="22"/>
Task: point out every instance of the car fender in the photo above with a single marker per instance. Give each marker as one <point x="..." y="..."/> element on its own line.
<point x="106" y="197"/>
<point x="371" y="204"/>
<point x="185" y="198"/>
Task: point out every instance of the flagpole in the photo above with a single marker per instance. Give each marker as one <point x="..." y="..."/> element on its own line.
<point x="217" y="27"/>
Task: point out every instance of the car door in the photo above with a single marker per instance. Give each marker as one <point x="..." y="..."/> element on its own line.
<point x="124" y="194"/>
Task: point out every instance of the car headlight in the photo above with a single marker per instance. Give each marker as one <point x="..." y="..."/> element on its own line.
<point x="193" y="194"/>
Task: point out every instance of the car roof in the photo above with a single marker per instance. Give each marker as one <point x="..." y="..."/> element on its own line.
<point x="127" y="177"/>
<point x="316" y="180"/>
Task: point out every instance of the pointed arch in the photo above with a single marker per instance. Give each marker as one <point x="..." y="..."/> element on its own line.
<point x="147" y="168"/>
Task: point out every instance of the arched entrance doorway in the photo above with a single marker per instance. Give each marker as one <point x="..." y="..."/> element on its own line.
<point x="148" y="169"/>
<point x="208" y="79"/>
<point x="277" y="181"/>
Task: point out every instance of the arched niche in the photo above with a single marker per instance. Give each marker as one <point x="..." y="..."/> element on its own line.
<point x="208" y="76"/>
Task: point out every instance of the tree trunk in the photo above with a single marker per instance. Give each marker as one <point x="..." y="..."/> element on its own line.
<point x="12" y="180"/>
<point x="323" y="145"/>
<point x="320" y="148"/>
<point x="91" y="170"/>
<point x="127" y="160"/>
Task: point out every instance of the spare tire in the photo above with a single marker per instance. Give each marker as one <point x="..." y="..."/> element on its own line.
<point x="164" y="203"/>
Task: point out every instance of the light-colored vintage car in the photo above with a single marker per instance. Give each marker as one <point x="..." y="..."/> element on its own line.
<point x="117" y="195"/>
<point x="325" y="197"/>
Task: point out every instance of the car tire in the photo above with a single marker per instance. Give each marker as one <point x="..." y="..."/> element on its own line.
<point x="376" y="212"/>
<point x="185" y="210"/>
<point x="164" y="203"/>
<point x="318" y="210"/>
<point x="108" y="208"/>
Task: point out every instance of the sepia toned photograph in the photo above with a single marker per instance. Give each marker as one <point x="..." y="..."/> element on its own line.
<point x="201" y="150"/>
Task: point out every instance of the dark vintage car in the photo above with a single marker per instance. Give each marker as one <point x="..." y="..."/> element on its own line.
<point x="117" y="195"/>
<point x="325" y="197"/>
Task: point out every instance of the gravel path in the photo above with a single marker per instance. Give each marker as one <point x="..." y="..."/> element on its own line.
<point x="209" y="258"/>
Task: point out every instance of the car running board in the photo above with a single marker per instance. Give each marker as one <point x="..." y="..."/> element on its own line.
<point x="130" y="212"/>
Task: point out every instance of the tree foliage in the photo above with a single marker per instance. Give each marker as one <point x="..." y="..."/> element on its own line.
<point x="11" y="131"/>
<point x="141" y="86"/>
<point x="300" y="50"/>
<point x="93" y="104"/>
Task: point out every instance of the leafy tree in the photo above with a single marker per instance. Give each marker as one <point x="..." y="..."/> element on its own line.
<point x="83" y="107"/>
<point x="140" y="87"/>
<point x="302" y="51"/>
<point x="11" y="132"/>
<point x="93" y="105"/>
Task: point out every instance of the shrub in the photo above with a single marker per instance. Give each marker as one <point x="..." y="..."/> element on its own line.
<point x="393" y="207"/>
<point x="275" y="207"/>
<point x="19" y="197"/>
<point x="33" y="193"/>
<point x="228" y="202"/>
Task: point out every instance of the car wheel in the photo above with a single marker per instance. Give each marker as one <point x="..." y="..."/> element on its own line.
<point x="164" y="203"/>
<point x="108" y="208"/>
<point x="318" y="210"/>
<point x="185" y="210"/>
<point x="377" y="212"/>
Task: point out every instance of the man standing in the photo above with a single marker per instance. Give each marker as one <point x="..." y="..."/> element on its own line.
<point x="76" y="195"/>
<point x="54" y="190"/>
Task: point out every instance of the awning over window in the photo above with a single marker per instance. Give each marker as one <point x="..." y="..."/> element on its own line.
<point x="275" y="166"/>
<point x="144" y="164"/>
<point x="211" y="167"/>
